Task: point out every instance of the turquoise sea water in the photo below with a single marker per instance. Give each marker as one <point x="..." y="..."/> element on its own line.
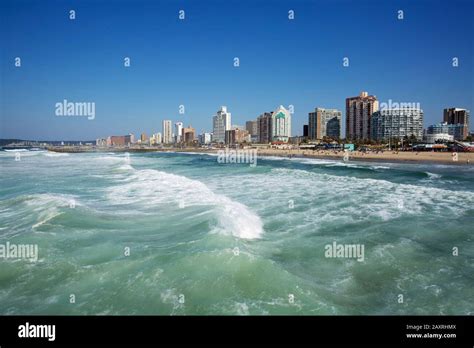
<point x="210" y="238"/>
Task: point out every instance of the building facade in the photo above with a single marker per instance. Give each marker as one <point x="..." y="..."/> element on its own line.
<point x="251" y="127"/>
<point x="236" y="136"/>
<point x="397" y="123"/>
<point x="221" y="122"/>
<point x="305" y="130"/>
<point x="324" y="123"/>
<point x="460" y="117"/>
<point x="264" y="128"/>
<point x="158" y="139"/>
<point x="178" y="131"/>
<point x="359" y="111"/>
<point x="120" y="140"/>
<point x="188" y="135"/>
<point x="446" y="131"/>
<point x="281" y="124"/>
<point x="205" y="138"/>
<point x="167" y="132"/>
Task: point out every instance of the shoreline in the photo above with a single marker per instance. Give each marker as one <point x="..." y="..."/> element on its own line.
<point x="464" y="158"/>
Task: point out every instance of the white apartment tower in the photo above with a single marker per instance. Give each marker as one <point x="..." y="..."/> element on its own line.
<point x="221" y="122"/>
<point x="281" y="124"/>
<point x="178" y="131"/>
<point x="167" y="132"/>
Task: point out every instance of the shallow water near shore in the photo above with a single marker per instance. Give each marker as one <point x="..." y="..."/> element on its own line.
<point x="210" y="238"/>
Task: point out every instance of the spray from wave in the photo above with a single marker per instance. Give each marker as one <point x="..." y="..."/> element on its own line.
<point x="150" y="187"/>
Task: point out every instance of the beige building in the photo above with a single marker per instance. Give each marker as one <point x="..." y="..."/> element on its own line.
<point x="188" y="135"/>
<point x="324" y="123"/>
<point x="359" y="111"/>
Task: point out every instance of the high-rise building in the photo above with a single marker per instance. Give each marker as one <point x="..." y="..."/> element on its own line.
<point x="188" y="135"/>
<point x="251" y="127"/>
<point x="281" y="124"/>
<point x="221" y="122"/>
<point x="205" y="138"/>
<point x="143" y="138"/>
<point x="158" y="138"/>
<point x="397" y="123"/>
<point x="305" y="130"/>
<point x="358" y="113"/>
<point x="324" y="123"/>
<point x="236" y="136"/>
<point x="457" y="116"/>
<point x="167" y="132"/>
<point x="264" y="126"/>
<point x="178" y="131"/>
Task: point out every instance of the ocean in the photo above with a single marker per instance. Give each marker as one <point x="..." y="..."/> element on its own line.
<point x="181" y="234"/>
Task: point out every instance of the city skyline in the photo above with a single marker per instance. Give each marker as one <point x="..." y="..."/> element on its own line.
<point x="191" y="63"/>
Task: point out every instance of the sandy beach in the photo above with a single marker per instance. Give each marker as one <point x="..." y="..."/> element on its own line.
<point x="463" y="158"/>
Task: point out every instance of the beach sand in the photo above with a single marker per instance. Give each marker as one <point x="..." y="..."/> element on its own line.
<point x="386" y="156"/>
<point x="464" y="158"/>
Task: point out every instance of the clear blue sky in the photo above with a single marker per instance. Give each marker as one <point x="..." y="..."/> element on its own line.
<point x="190" y="62"/>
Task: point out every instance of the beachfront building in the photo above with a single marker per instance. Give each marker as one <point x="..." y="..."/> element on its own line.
<point x="120" y="140"/>
<point x="158" y="138"/>
<point x="236" y="136"/>
<point x="101" y="142"/>
<point x="205" y="138"/>
<point x="178" y="131"/>
<point x="188" y="135"/>
<point x="460" y="118"/>
<point x="397" y="123"/>
<point x="167" y="132"/>
<point x="264" y="127"/>
<point x="444" y="131"/>
<point x="324" y="123"/>
<point x="251" y="127"/>
<point x="359" y="111"/>
<point x="221" y="122"/>
<point x="281" y="124"/>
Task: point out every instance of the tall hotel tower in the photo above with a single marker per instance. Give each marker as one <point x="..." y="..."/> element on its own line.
<point x="178" y="131"/>
<point x="221" y="122"/>
<point x="324" y="123"/>
<point x="359" y="110"/>
<point x="167" y="132"/>
<point x="281" y="124"/>
<point x="460" y="117"/>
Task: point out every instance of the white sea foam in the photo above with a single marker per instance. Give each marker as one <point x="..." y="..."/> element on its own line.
<point x="47" y="206"/>
<point x="433" y="176"/>
<point x="323" y="200"/>
<point x="56" y="154"/>
<point x="150" y="187"/>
